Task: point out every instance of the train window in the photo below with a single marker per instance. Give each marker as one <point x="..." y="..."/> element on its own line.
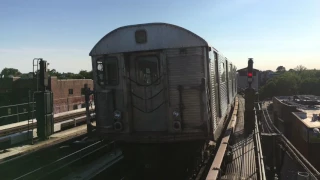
<point x="141" y="36"/>
<point x="107" y="71"/>
<point x="223" y="72"/>
<point x="111" y="71"/>
<point x="147" y="69"/>
<point x="216" y="66"/>
<point x="100" y="74"/>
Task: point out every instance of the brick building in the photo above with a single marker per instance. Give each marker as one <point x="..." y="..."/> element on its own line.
<point x="68" y="95"/>
<point x="298" y="118"/>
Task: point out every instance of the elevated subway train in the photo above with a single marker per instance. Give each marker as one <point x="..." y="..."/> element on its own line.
<point x="160" y="83"/>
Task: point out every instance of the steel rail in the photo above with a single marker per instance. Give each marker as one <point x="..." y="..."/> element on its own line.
<point x="65" y="161"/>
<point x="258" y="148"/>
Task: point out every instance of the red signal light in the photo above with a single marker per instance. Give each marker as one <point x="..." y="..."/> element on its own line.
<point x="249" y="74"/>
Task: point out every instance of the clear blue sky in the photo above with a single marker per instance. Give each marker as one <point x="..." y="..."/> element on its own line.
<point x="273" y="32"/>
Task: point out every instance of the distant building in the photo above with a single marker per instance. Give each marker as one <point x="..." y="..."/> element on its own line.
<point x="298" y="118"/>
<point x="243" y="80"/>
<point x="68" y="94"/>
<point x="6" y="86"/>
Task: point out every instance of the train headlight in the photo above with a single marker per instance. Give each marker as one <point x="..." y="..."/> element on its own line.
<point x="177" y="125"/>
<point x="118" y="126"/>
<point x="117" y="114"/>
<point x="176" y="114"/>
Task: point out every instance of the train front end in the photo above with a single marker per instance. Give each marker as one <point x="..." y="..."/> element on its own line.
<point x="151" y="85"/>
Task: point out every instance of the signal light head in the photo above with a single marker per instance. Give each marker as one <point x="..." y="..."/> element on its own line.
<point x="250" y="74"/>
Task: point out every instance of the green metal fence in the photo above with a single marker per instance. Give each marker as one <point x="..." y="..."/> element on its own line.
<point x="16" y="113"/>
<point x="22" y="112"/>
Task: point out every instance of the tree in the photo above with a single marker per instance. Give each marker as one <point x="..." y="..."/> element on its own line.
<point x="286" y="84"/>
<point x="53" y="71"/>
<point x="309" y="86"/>
<point x="300" y="68"/>
<point x="6" y="72"/>
<point x="83" y="74"/>
<point x="86" y="74"/>
<point x="281" y="69"/>
<point x="268" y="90"/>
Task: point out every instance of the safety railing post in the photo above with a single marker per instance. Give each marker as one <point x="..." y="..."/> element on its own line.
<point x="87" y="97"/>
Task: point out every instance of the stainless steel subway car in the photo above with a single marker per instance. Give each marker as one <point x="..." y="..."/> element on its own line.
<point x="158" y="82"/>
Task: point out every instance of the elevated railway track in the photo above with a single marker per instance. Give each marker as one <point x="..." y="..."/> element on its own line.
<point x="235" y="156"/>
<point x="270" y="129"/>
<point x="24" y="125"/>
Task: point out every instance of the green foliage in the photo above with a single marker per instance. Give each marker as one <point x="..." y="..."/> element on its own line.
<point x="300" y="68"/>
<point x="6" y="72"/>
<point x="296" y="81"/>
<point x="86" y="74"/>
<point x="81" y="75"/>
<point x="281" y="69"/>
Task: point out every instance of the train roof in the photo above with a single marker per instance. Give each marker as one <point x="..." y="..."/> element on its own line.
<point x="159" y="36"/>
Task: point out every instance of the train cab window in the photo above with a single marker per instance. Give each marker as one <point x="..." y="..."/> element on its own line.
<point x="107" y="71"/>
<point x="147" y="69"/>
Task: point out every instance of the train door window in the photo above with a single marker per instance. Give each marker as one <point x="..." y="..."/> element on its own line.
<point x="147" y="69"/>
<point x="111" y="68"/>
<point x="107" y="71"/>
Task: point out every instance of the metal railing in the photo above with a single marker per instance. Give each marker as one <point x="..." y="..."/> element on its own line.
<point x="10" y="108"/>
<point x="258" y="149"/>
<point x="290" y="149"/>
<point x="20" y="111"/>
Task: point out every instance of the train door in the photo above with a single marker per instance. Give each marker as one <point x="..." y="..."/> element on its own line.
<point x="147" y="92"/>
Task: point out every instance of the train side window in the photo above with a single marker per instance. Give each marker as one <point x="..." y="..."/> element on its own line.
<point x="147" y="69"/>
<point x="223" y="72"/>
<point x="107" y="71"/>
<point x="216" y="66"/>
<point x="100" y="74"/>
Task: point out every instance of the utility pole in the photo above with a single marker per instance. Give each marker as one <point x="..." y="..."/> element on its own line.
<point x="44" y="103"/>
<point x="249" y="101"/>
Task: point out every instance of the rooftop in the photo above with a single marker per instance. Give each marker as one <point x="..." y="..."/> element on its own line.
<point x="306" y="117"/>
<point x="245" y="69"/>
<point x="308" y="106"/>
